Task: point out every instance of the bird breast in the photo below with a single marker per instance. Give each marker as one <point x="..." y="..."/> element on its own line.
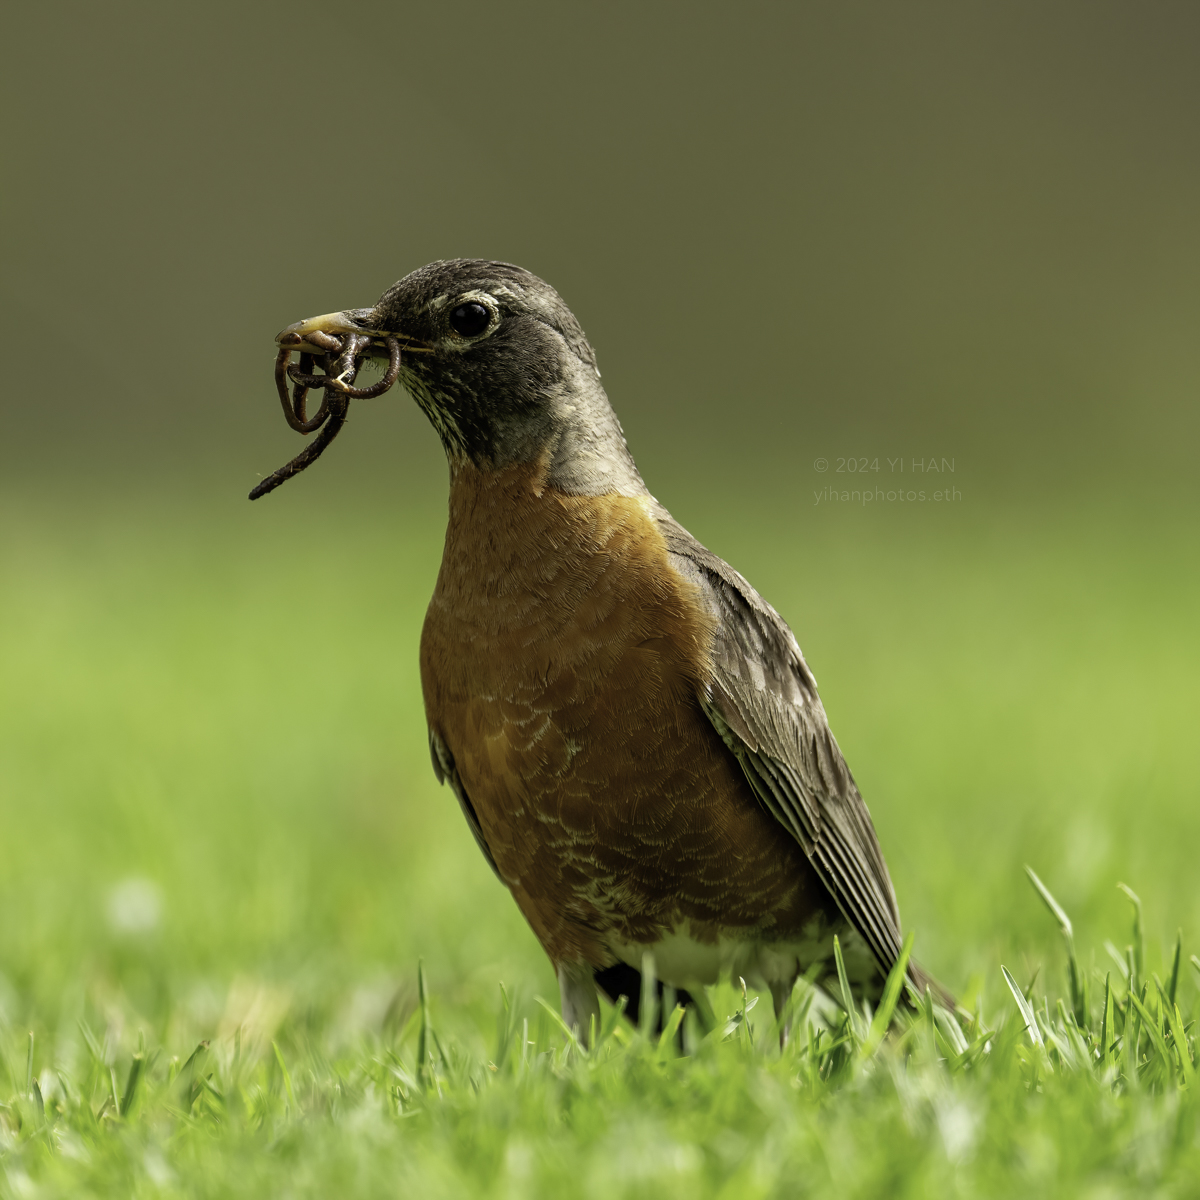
<point x="552" y="611"/>
<point x="561" y="661"/>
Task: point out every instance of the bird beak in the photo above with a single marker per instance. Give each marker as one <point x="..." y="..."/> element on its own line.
<point x="309" y="336"/>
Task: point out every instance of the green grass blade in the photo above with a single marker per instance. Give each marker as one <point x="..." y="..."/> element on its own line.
<point x="200" y="1049"/>
<point x="287" y="1078"/>
<point x="887" y="1003"/>
<point x="648" y="1012"/>
<point x="612" y="1020"/>
<point x="1173" y="982"/>
<point x="1182" y="1047"/>
<point x="505" y="1028"/>
<point x="1178" y="1036"/>
<point x="556" y="1017"/>
<point x="847" y="996"/>
<point x="1056" y="909"/>
<point x="1131" y="1038"/>
<point x="666" y="1039"/>
<point x="423" y="1035"/>
<point x="1106" y="1024"/>
<point x="974" y="1051"/>
<point x="1152" y="1028"/>
<point x="1117" y="958"/>
<point x="1139" y="941"/>
<point x="131" y="1083"/>
<point x="1076" y="977"/>
<point x="1025" y="1008"/>
<point x="94" y="1047"/>
<point x="951" y="1031"/>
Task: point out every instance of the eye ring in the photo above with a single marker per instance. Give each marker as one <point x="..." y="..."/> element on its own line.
<point x="470" y="319"/>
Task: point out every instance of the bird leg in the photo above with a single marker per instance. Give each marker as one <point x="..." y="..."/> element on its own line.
<point x="338" y="384"/>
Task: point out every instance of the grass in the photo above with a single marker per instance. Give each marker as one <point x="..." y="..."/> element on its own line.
<point x="224" y="856"/>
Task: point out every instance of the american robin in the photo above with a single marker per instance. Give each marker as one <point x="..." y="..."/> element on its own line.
<point x="632" y="732"/>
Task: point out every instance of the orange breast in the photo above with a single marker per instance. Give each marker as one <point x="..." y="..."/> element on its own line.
<point x="561" y="660"/>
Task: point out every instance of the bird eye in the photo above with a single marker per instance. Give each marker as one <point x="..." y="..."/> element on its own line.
<point x="470" y="319"/>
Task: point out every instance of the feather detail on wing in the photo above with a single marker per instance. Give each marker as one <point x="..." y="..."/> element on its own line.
<point x="762" y="700"/>
<point x="446" y="772"/>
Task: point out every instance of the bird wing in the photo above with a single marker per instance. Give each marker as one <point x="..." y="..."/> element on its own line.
<point x="762" y="700"/>
<point x="447" y="772"/>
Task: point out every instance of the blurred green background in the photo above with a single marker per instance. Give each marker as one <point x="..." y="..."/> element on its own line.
<point x="792" y="232"/>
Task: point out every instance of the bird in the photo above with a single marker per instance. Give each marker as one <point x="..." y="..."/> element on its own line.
<point x="631" y="731"/>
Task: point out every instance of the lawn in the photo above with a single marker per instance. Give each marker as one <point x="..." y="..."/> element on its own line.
<point x="248" y="946"/>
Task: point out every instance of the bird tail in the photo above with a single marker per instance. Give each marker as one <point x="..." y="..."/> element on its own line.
<point x="921" y="982"/>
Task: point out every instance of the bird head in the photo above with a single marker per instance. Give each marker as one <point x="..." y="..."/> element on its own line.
<point x="501" y="367"/>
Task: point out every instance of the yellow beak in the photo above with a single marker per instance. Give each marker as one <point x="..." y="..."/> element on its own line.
<point x="333" y="324"/>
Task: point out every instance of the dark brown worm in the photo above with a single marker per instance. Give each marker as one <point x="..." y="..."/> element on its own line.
<point x="338" y="406"/>
<point x="339" y="391"/>
<point x="389" y="376"/>
<point x="282" y="360"/>
<point x="306" y="380"/>
<point x="305" y="424"/>
<point x="326" y="341"/>
<point x="293" y="407"/>
<point x="300" y="394"/>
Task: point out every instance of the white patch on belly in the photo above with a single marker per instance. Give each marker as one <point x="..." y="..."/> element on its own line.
<point x="683" y="961"/>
